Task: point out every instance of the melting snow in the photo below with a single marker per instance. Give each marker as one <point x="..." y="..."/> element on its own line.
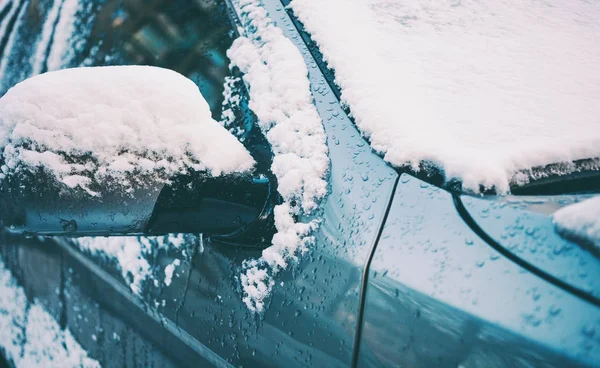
<point x="277" y="79"/>
<point x="105" y="123"/>
<point x="169" y="269"/>
<point x="132" y="253"/>
<point x="482" y="90"/>
<point x="29" y="335"/>
<point x="580" y="221"/>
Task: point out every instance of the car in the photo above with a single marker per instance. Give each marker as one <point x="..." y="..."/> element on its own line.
<point x="405" y="269"/>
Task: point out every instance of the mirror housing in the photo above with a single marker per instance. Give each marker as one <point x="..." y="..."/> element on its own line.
<point x="235" y="208"/>
<point x="125" y="150"/>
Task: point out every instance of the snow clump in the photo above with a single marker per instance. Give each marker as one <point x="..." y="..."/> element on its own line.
<point x="100" y="126"/>
<point x="277" y="80"/>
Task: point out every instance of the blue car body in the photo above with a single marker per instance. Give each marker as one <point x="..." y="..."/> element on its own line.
<point x="403" y="273"/>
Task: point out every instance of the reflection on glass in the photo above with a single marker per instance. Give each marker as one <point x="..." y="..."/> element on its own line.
<point x="190" y="37"/>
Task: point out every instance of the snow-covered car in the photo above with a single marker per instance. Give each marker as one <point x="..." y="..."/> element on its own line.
<point x="372" y="183"/>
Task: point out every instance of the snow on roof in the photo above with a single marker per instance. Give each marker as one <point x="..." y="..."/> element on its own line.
<point x="580" y="221"/>
<point x="482" y="90"/>
<point x="277" y="79"/>
<point x="89" y="125"/>
<point x="30" y="336"/>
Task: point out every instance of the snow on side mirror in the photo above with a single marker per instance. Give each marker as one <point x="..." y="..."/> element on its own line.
<point x="124" y="150"/>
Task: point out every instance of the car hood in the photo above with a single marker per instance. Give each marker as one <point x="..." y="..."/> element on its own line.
<point x="522" y="227"/>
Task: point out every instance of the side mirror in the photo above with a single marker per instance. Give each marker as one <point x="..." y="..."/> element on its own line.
<point x="228" y="207"/>
<point x="157" y="163"/>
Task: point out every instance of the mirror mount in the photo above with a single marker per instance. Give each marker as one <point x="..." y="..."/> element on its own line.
<point x="232" y="210"/>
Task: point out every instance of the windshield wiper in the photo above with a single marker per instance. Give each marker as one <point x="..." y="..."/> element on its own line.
<point x="576" y="177"/>
<point x="580" y="182"/>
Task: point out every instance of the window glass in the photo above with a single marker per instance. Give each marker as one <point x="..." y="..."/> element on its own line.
<point x="190" y="37"/>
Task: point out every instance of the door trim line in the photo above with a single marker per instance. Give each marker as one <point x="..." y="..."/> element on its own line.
<point x="365" y="279"/>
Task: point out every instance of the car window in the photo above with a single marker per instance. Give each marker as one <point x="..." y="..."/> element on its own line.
<point x="189" y="37"/>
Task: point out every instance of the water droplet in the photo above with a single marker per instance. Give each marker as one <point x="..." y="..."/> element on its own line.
<point x="554" y="310"/>
<point x="589" y="330"/>
<point x="68" y="225"/>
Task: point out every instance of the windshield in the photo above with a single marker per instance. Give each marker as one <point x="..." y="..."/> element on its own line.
<point x="487" y="95"/>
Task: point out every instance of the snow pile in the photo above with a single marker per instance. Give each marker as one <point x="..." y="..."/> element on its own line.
<point x="29" y="336"/>
<point x="95" y="126"/>
<point x="580" y="221"/>
<point x="131" y="254"/>
<point x="482" y="90"/>
<point x="231" y="102"/>
<point x="277" y="79"/>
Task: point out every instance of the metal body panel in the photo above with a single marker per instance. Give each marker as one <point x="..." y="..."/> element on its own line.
<point x="438" y="295"/>
<point x="90" y="307"/>
<point x="530" y="235"/>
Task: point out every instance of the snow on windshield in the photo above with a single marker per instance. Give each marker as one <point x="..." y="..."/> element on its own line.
<point x="112" y="125"/>
<point x="580" y="221"/>
<point x="482" y="90"/>
<point x="277" y="79"/>
<point x="30" y="336"/>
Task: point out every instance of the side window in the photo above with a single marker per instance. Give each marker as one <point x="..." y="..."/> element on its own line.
<point x="190" y="37"/>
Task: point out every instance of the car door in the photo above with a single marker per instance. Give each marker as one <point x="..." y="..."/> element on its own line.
<point x="189" y="310"/>
<point x="456" y="299"/>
